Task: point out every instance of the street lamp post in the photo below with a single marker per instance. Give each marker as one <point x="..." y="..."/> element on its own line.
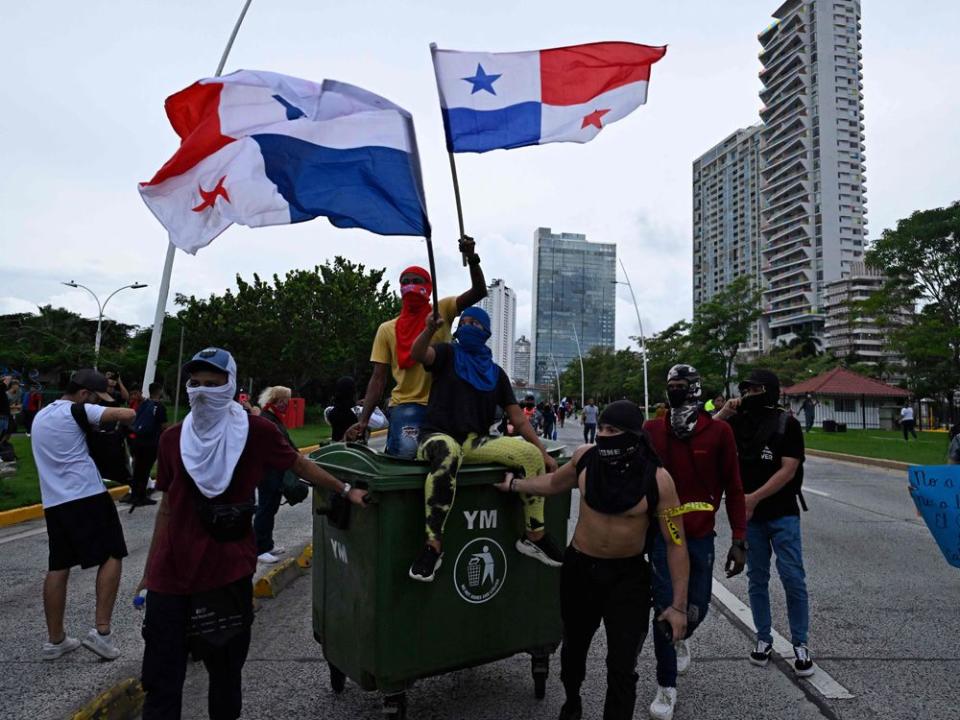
<point x="579" y="355"/>
<point x="101" y="308"/>
<point x="556" y="375"/>
<point x="643" y="340"/>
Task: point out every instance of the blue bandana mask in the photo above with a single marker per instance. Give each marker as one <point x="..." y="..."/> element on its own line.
<point x="471" y="337"/>
<point x="472" y="359"/>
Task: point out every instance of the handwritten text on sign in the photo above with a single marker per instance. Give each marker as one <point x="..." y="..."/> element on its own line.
<point x="936" y="492"/>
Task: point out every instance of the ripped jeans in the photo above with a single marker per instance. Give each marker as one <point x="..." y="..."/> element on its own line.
<point x="403" y="432"/>
<point x="445" y="456"/>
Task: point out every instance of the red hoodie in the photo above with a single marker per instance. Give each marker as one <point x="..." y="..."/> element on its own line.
<point x="704" y="467"/>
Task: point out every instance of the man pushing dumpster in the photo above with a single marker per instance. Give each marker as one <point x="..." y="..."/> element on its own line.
<point x="392" y="349"/>
<point x="623" y="490"/>
<point x="466" y="391"/>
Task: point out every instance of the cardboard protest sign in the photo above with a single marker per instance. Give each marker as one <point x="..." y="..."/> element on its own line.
<point x="936" y="492"/>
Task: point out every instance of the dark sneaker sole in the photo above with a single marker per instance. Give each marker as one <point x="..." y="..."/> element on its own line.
<point x="759" y="662"/>
<point x="426" y="578"/>
<point x="537" y="554"/>
<point x="805" y="672"/>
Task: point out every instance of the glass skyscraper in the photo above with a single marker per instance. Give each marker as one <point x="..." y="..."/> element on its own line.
<point x="574" y="299"/>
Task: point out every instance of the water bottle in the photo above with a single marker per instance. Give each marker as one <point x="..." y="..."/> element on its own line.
<point x="140" y="600"/>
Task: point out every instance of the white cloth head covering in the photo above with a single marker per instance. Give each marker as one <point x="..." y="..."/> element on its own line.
<point x="214" y="434"/>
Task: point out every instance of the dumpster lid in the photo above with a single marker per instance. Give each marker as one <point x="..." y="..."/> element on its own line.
<point x="385" y="472"/>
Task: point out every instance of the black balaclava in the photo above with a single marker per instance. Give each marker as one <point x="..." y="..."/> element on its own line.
<point x="760" y="404"/>
<point x="621" y="466"/>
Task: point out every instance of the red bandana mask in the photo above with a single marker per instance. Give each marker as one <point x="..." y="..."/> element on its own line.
<point x="413" y="314"/>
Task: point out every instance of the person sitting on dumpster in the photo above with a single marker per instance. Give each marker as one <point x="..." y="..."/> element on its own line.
<point x="467" y="388"/>
<point x="391" y="349"/>
<point x="623" y="490"/>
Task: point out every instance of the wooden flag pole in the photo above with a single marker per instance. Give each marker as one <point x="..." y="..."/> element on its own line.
<point x="453" y="172"/>
<point x="150" y="371"/>
<point x="433" y="275"/>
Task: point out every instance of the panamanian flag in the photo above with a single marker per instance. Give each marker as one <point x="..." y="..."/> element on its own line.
<point x="259" y="148"/>
<point x="568" y="94"/>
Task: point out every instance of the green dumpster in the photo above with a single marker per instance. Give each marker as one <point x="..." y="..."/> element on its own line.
<point x="383" y="630"/>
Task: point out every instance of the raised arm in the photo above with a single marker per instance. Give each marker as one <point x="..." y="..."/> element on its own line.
<point x="551" y="483"/>
<point x="421" y="350"/>
<point x="124" y="416"/>
<point x="478" y="284"/>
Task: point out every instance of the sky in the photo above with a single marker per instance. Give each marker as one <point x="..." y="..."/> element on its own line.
<point x="83" y="122"/>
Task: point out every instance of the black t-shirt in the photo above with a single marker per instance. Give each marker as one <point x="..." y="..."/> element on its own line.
<point x="159" y="412"/>
<point x="760" y="459"/>
<point x="456" y="407"/>
<point x="4" y="401"/>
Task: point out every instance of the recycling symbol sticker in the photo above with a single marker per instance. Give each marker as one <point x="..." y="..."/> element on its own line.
<point x="480" y="570"/>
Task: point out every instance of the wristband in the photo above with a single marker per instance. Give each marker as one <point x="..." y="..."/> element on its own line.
<point x="682" y="612"/>
<point x="347" y="487"/>
<point x="513" y="484"/>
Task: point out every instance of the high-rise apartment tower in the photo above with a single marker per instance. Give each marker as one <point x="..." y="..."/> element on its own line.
<point x="501" y="305"/>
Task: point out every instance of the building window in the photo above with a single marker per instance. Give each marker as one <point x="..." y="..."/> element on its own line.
<point x="845" y="405"/>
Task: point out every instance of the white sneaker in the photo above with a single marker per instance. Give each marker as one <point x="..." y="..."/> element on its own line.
<point x="683" y="656"/>
<point x="664" y="703"/>
<point x="52" y="651"/>
<point x="269" y="558"/>
<point x="278" y="550"/>
<point x="102" y="645"/>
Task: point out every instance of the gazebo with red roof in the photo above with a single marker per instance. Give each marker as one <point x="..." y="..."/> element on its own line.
<point x="848" y="397"/>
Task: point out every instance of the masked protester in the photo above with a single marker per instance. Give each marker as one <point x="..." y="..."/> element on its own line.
<point x="467" y="389"/>
<point x="273" y="402"/>
<point x="624" y="492"/>
<point x="199" y="570"/>
<point x="701" y="456"/>
<point x="770" y="448"/>
<point x="392" y="350"/>
<point x="341" y="415"/>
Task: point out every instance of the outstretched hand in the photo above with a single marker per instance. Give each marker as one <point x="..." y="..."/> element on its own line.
<point x="504" y="485"/>
<point x="468" y="246"/>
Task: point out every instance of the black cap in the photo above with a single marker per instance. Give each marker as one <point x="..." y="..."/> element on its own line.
<point x="760" y="377"/>
<point x="93" y="381"/>
<point x="623" y="415"/>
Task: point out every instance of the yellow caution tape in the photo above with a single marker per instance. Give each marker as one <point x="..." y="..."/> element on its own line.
<point x="673" y="512"/>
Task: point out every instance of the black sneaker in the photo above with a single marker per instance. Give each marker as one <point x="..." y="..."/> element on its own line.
<point x="545" y="550"/>
<point x="141" y="501"/>
<point x="572" y="709"/>
<point x="803" y="665"/>
<point x="425" y="567"/>
<point x="761" y="655"/>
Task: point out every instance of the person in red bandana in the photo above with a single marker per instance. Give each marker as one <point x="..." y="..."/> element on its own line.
<point x="391" y="350"/>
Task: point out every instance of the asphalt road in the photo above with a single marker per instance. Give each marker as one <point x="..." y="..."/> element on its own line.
<point x="883" y="624"/>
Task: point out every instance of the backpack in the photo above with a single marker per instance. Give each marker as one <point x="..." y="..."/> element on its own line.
<point x="774" y="440"/>
<point x="107" y="449"/>
<point x="145" y="424"/>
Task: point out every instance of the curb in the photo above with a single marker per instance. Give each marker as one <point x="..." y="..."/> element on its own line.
<point x="860" y="459"/>
<point x="277" y="579"/>
<point x="35" y="512"/>
<point x="124" y="700"/>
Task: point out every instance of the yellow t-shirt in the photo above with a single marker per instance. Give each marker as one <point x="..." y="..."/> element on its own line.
<point x="413" y="383"/>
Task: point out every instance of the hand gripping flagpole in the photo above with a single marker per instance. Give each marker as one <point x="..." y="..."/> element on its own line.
<point x="151" y="369"/>
<point x="453" y="172"/>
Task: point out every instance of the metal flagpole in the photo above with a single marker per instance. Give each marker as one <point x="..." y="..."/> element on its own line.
<point x="453" y="173"/>
<point x="580" y="355"/>
<point x="151" y="369"/>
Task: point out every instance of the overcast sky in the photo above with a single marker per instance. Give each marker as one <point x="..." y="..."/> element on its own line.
<point x="83" y="122"/>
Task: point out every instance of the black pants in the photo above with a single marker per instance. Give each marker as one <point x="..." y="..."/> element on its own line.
<point x="269" y="496"/>
<point x="617" y="592"/>
<point x="589" y="432"/>
<point x="165" y="660"/>
<point x="909" y="426"/>
<point x="144" y="456"/>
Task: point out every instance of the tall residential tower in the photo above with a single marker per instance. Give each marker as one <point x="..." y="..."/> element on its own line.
<point x="501" y="305"/>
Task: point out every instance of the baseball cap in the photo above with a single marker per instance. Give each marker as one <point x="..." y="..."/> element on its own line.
<point x="760" y="377"/>
<point x="211" y="358"/>
<point x="90" y="379"/>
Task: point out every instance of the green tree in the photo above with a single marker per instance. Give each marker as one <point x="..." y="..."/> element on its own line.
<point x="921" y="258"/>
<point x="720" y="326"/>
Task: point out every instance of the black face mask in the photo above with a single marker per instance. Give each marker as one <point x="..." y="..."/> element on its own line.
<point x="619" y="472"/>
<point x="616" y="448"/>
<point x="677" y="397"/>
<point x="752" y="403"/>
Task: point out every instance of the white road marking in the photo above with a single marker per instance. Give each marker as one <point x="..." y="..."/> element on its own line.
<point x="816" y="492"/>
<point x="821" y="680"/>
<point x="22" y="535"/>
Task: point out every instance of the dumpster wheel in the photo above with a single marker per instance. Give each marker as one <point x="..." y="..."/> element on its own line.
<point x="337" y="679"/>
<point x="395" y="706"/>
<point x="540" y="668"/>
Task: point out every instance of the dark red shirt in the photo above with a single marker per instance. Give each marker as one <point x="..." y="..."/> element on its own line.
<point x="704" y="468"/>
<point x="185" y="558"/>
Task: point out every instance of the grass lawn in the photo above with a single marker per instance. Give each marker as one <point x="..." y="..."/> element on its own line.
<point x="930" y="449"/>
<point x="23" y="488"/>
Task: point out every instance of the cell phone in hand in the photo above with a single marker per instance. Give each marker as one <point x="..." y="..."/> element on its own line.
<point x="243" y="397"/>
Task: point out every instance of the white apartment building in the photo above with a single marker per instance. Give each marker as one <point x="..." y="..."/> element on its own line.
<point x="521" y="361"/>
<point x="813" y="220"/>
<point x="501" y="305"/>
<point x="726" y="219"/>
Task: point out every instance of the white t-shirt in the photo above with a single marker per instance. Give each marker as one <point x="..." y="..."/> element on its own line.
<point x="906" y="413"/>
<point x="67" y="472"/>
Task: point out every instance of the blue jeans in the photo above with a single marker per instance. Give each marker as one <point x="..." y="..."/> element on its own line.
<point x="783" y="537"/>
<point x="403" y="433"/>
<point x="699" y="588"/>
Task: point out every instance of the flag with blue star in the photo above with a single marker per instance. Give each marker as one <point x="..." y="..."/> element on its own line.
<point x="482" y="81"/>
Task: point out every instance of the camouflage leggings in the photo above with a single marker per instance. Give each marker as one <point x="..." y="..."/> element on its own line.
<point x="445" y="456"/>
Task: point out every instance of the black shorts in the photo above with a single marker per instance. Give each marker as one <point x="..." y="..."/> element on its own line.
<point x="84" y="532"/>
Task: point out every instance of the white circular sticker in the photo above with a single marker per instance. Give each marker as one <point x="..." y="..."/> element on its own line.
<point x="480" y="570"/>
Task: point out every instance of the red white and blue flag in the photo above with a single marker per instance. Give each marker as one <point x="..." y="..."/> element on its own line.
<point x="568" y="94"/>
<point x="259" y="148"/>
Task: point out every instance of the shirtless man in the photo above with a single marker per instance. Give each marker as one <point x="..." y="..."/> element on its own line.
<point x="605" y="575"/>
